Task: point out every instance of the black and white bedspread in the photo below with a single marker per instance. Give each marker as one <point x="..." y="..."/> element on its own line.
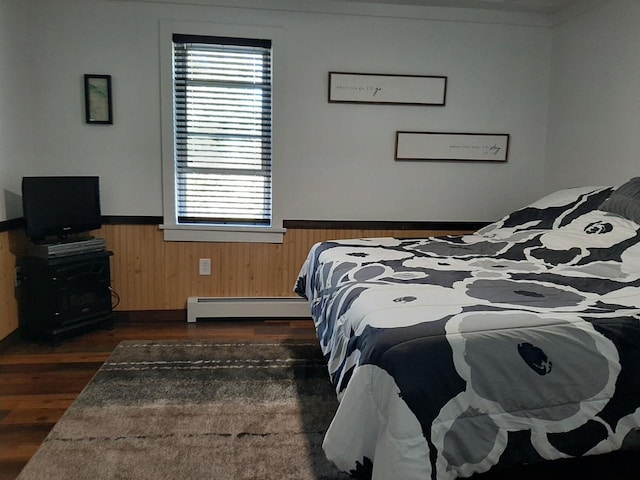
<point x="454" y="355"/>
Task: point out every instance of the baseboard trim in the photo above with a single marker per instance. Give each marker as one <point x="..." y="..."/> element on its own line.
<point x="300" y="309"/>
<point x="12" y="339"/>
<point x="150" y="316"/>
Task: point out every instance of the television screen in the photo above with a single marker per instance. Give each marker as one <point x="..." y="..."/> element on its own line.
<point x="60" y="206"/>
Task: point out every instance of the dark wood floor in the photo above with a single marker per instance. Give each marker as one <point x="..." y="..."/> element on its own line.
<point x="39" y="382"/>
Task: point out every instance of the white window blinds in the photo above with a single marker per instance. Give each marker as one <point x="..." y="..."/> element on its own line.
<point x="222" y="109"/>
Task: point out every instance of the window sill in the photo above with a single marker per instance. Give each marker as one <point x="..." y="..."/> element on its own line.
<point x="183" y="233"/>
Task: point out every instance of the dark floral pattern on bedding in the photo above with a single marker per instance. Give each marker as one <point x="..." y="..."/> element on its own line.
<point x="453" y="355"/>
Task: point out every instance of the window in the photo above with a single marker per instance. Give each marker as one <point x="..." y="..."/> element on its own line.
<point x="222" y="160"/>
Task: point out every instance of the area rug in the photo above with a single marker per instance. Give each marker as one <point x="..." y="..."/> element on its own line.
<point x="196" y="410"/>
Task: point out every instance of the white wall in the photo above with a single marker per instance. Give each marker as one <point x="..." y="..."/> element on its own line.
<point x="594" y="113"/>
<point x="16" y="140"/>
<point x="334" y="161"/>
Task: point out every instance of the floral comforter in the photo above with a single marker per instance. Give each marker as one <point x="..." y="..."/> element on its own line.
<point x="454" y="355"/>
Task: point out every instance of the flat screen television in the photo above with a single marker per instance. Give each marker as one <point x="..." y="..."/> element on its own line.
<point x="60" y="206"/>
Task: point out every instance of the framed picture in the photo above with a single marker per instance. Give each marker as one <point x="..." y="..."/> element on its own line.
<point x="97" y="99"/>
<point x="476" y="147"/>
<point x="387" y="89"/>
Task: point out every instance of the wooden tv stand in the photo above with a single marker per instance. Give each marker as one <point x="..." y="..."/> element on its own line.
<point x="64" y="296"/>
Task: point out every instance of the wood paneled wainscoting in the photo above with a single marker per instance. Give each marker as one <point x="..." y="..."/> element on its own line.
<point x="151" y="274"/>
<point x="8" y="303"/>
<point x="148" y="273"/>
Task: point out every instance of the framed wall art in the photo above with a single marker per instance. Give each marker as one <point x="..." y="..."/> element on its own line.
<point x="477" y="147"/>
<point x="387" y="89"/>
<point x="97" y="99"/>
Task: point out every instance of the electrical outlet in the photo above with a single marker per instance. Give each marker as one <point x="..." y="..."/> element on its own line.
<point x="205" y="266"/>
<point x="18" y="277"/>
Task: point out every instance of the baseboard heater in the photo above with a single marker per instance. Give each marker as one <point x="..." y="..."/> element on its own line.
<point x="246" y="307"/>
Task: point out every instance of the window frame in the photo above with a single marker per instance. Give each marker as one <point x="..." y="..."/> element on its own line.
<point x="173" y="231"/>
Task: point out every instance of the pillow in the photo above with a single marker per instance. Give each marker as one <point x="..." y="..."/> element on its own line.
<point x="625" y="201"/>
<point x="550" y="211"/>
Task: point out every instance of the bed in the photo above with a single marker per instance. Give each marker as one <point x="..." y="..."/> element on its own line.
<point x="455" y="355"/>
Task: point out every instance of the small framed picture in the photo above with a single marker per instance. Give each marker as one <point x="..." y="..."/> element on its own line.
<point x="97" y="99"/>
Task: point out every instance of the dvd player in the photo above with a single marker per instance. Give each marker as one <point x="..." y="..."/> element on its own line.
<point x="67" y="247"/>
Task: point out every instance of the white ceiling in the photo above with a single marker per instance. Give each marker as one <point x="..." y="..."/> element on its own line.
<point x="536" y="6"/>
